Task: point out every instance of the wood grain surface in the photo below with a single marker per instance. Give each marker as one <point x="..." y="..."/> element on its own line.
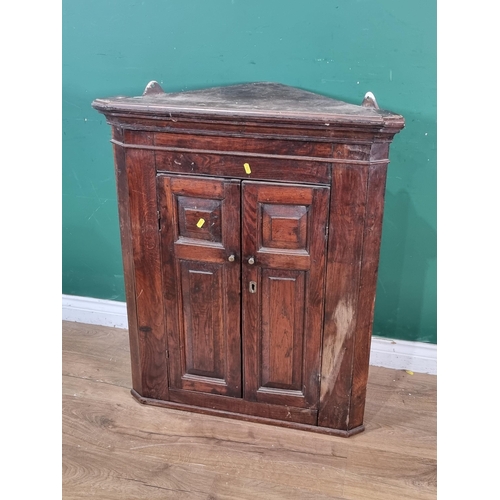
<point x="345" y="255"/>
<point x="146" y="277"/>
<point x="201" y="286"/>
<point x="282" y="321"/>
<point x="251" y="220"/>
<point x="115" y="448"/>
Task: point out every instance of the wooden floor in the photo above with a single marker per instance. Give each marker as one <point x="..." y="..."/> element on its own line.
<point x="115" y="448"/>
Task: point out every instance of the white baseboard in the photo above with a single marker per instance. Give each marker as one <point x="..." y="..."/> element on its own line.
<point x="404" y="355"/>
<point x="94" y="311"/>
<point x="397" y="354"/>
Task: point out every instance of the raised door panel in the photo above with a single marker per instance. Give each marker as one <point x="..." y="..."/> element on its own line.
<point x="200" y="231"/>
<point x="283" y="268"/>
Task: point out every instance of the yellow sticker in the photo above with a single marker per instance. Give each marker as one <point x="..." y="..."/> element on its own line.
<point x="247" y="168"/>
<point x="409" y="372"/>
<point x="200" y="222"/>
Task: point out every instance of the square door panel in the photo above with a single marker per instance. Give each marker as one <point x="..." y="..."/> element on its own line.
<point x="284" y="226"/>
<point x="200" y="218"/>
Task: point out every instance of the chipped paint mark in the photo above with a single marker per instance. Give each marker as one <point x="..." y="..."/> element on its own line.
<point x="333" y="351"/>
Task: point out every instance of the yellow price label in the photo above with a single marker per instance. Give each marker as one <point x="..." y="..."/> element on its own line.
<point x="200" y="222"/>
<point x="247" y="168"/>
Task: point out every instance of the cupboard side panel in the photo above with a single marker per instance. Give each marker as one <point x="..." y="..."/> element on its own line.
<point x="127" y="257"/>
<point x="345" y="245"/>
<point x="368" y="284"/>
<point x="141" y="176"/>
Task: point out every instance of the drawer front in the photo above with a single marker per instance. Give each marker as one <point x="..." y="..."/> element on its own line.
<point x="244" y="167"/>
<point x="245" y="144"/>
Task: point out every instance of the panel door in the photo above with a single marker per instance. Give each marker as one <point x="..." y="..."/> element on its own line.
<point x="283" y="279"/>
<point x="200" y="236"/>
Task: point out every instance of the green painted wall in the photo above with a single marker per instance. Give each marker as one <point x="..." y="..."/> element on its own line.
<point x="339" y="48"/>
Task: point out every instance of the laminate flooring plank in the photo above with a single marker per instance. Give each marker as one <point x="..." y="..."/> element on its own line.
<point x="114" y="447"/>
<point x="116" y="402"/>
<point x="100" y="426"/>
<point x="395" y="476"/>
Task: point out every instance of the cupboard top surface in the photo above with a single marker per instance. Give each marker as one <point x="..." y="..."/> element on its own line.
<point x="262" y="100"/>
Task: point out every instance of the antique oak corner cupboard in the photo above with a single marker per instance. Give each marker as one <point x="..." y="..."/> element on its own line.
<point x="250" y="221"/>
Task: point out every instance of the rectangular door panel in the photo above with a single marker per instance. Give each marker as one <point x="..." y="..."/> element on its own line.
<point x="202" y="304"/>
<point x="282" y="328"/>
<point x="200" y="235"/>
<point x="284" y="242"/>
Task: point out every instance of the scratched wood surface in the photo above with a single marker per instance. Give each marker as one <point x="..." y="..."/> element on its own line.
<point x="283" y="323"/>
<point x="258" y="99"/>
<point x="115" y="448"/>
<point x="146" y="277"/>
<point x="201" y="284"/>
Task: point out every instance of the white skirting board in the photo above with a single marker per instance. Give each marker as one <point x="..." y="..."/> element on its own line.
<point x="94" y="311"/>
<point x="397" y="354"/>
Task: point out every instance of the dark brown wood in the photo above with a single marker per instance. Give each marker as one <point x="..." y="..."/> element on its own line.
<point x="128" y="259"/>
<point x="251" y="221"/>
<point x="239" y="405"/>
<point x="346" y="153"/>
<point x="284" y="231"/>
<point x="282" y="417"/>
<point x="234" y="167"/>
<point x="271" y="147"/>
<point x="255" y="129"/>
<point x="368" y="285"/>
<point x="265" y="101"/>
<point x="347" y="214"/>
<point x="200" y="231"/>
<point x="144" y="235"/>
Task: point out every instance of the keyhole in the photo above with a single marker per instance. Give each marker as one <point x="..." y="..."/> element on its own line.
<point x="252" y="287"/>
